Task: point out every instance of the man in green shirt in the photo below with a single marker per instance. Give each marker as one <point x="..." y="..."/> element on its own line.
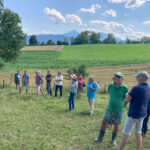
<point x="117" y="91"/>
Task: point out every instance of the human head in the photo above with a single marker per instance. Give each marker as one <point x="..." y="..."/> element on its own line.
<point x="37" y="72"/>
<point x="79" y="75"/>
<point x="71" y="72"/>
<point x="74" y="77"/>
<point x="142" y="77"/>
<point x="118" y="78"/>
<point x="91" y="79"/>
<point x="48" y="71"/>
<point x="25" y="71"/>
<point x="18" y="71"/>
<point x="59" y="73"/>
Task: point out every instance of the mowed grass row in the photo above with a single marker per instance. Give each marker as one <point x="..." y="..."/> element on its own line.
<point x="75" y="55"/>
<point x="28" y="123"/>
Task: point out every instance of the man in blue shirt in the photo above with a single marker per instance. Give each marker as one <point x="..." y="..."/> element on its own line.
<point x="145" y="122"/>
<point x="138" y="98"/>
<point x="92" y="87"/>
<point x="17" y="78"/>
<point x="48" y="82"/>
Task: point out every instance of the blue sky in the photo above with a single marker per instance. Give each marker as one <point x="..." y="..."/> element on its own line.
<point x="125" y="18"/>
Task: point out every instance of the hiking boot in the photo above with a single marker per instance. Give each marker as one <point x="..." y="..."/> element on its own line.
<point x="114" y="143"/>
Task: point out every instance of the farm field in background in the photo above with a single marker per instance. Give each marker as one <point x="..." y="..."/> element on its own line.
<point x="75" y="55"/>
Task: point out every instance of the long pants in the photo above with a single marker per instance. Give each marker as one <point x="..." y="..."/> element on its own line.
<point x="71" y="100"/>
<point x="56" y="89"/>
<point x="145" y="122"/>
<point x="48" y="88"/>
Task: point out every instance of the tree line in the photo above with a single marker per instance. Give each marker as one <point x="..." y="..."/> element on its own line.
<point x="88" y="37"/>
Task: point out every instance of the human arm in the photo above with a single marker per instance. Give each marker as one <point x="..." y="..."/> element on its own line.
<point x="127" y="99"/>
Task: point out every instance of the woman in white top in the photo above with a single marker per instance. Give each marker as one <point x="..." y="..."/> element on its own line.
<point x="59" y="84"/>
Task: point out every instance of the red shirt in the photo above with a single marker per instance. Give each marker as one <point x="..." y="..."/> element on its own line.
<point x="80" y="81"/>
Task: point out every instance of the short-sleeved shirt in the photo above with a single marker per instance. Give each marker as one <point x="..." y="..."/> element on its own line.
<point x="74" y="90"/>
<point x="140" y="98"/>
<point x="48" y="81"/>
<point x="17" y="76"/>
<point x="25" y="79"/>
<point x="38" y="79"/>
<point x="117" y="97"/>
<point x="91" y="93"/>
<point x="59" y="78"/>
<point x="80" y="82"/>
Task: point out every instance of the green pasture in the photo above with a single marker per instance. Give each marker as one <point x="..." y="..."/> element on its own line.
<point x="28" y="123"/>
<point x="75" y="55"/>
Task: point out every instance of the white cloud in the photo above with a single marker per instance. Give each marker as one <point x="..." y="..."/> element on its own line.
<point x="47" y="32"/>
<point x="110" y="12"/>
<point x="25" y="30"/>
<point x="73" y="19"/>
<point x="54" y="15"/>
<point x="146" y="22"/>
<point x="118" y="29"/>
<point x="130" y="3"/>
<point x="92" y="9"/>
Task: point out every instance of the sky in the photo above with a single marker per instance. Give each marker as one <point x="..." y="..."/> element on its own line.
<point x="124" y="18"/>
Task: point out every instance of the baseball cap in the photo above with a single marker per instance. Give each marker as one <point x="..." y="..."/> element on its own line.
<point x="118" y="74"/>
<point x="143" y="74"/>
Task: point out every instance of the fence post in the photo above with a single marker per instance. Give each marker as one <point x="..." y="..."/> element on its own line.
<point x="3" y="83"/>
<point x="105" y="88"/>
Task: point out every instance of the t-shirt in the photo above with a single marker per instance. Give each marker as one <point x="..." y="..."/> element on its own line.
<point x="117" y="97"/>
<point x="25" y="79"/>
<point x="17" y="76"/>
<point x="38" y="79"/>
<point x="59" y="78"/>
<point x="74" y="90"/>
<point x="148" y="109"/>
<point x="140" y="97"/>
<point x="47" y="78"/>
<point x="80" y="82"/>
<point x="91" y="93"/>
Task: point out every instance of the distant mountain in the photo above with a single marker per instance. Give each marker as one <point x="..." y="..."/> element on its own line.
<point x="68" y="36"/>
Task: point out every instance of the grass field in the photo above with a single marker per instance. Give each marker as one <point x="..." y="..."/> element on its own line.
<point x="28" y="123"/>
<point x="91" y="55"/>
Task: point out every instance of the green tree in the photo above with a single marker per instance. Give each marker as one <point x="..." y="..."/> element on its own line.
<point x="128" y="41"/>
<point x="12" y="38"/>
<point x="59" y="42"/>
<point x="110" y="39"/>
<point x="33" y="40"/>
<point x="42" y="43"/>
<point x="145" y="39"/>
<point x="50" y="42"/>
<point x="95" y="38"/>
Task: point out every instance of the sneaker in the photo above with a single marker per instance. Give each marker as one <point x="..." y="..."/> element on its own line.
<point x="68" y="110"/>
<point x="114" y="143"/>
<point x="143" y="134"/>
<point x="98" y="140"/>
<point x="91" y="114"/>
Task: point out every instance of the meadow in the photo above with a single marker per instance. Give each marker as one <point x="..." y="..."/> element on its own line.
<point x="28" y="123"/>
<point x="75" y="55"/>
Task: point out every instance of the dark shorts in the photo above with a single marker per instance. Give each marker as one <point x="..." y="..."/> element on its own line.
<point x="111" y="116"/>
<point x="17" y="82"/>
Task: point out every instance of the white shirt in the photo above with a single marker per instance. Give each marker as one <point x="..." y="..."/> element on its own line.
<point x="59" y="78"/>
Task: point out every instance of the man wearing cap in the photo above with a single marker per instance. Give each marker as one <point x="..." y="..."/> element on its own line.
<point x="114" y="112"/>
<point x="73" y="91"/>
<point x="138" y="97"/>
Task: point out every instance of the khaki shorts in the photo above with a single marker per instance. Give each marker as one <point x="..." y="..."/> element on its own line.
<point x="131" y="124"/>
<point x="91" y="100"/>
<point x="38" y="87"/>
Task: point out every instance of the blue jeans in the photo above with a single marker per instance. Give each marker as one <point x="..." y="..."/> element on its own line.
<point x="145" y="122"/>
<point x="71" y="100"/>
<point x="56" y="89"/>
<point x="48" y="88"/>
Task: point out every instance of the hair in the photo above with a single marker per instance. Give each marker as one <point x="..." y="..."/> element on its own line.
<point x="91" y="78"/>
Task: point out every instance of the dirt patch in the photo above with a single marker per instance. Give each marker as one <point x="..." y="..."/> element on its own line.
<point x="44" y="48"/>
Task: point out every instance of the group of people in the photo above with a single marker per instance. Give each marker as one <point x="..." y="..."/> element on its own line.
<point x="138" y="113"/>
<point x="119" y="97"/>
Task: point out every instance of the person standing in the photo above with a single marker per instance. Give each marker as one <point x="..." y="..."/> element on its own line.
<point x="92" y="87"/>
<point x="73" y="91"/>
<point x="25" y="82"/>
<point x="114" y="111"/>
<point x="38" y="81"/>
<point x="17" y="78"/>
<point x="138" y="97"/>
<point x="48" y="82"/>
<point x="80" y="86"/>
<point x="59" y="84"/>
